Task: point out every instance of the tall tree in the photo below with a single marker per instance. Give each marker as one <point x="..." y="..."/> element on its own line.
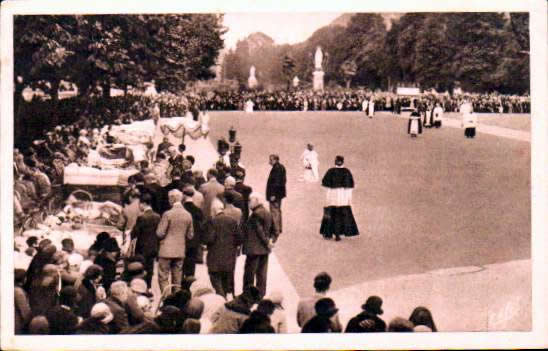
<point x="478" y="38"/>
<point x="434" y="54"/>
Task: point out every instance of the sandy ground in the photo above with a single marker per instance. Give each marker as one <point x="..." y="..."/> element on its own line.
<point x="444" y="220"/>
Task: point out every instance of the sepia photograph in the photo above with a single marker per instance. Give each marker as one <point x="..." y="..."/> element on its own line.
<point x="216" y="172"/>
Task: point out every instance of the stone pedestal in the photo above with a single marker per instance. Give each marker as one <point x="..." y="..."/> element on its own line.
<point x="252" y="82"/>
<point x="317" y="82"/>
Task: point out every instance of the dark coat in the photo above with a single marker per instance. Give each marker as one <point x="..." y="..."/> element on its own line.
<point x="156" y="191"/>
<point x="238" y="198"/>
<point x="23" y="312"/>
<point x="319" y="324"/>
<point x="145" y="233"/>
<point x="354" y="326"/>
<point x="211" y="190"/>
<point x="222" y="237"/>
<point x="245" y="191"/>
<point x="231" y="317"/>
<point x="275" y="186"/>
<point x="118" y="310"/>
<point x="42" y="297"/>
<point x="109" y="269"/>
<point x="198" y="222"/>
<point x="258" y="232"/>
<point x="85" y="298"/>
<point x="62" y="321"/>
<point x="148" y="326"/>
<point x="257" y="323"/>
<point x="94" y="326"/>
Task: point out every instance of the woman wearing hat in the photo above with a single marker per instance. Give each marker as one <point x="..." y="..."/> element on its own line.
<point x="338" y="217"/>
<point x="321" y="322"/>
<point x="368" y="321"/>
<point x="422" y="316"/>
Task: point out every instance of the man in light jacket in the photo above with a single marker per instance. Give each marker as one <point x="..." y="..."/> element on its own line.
<point x="174" y="228"/>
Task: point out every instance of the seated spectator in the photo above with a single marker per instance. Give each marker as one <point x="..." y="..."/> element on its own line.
<point x="422" y="316"/>
<point x="399" y="324"/>
<point x="119" y="293"/>
<point x="23" y="312"/>
<point x="230" y="317"/>
<point x="257" y="323"/>
<point x="89" y="290"/>
<point x="191" y="326"/>
<point x="39" y="326"/>
<point x="100" y="239"/>
<point x="278" y="319"/>
<point x="146" y="306"/>
<point x="99" y="322"/>
<point x="43" y="290"/>
<point x="212" y="303"/>
<point x="322" y="322"/>
<point x="306" y="307"/>
<point x="107" y="259"/>
<point x="368" y="320"/>
<point x="61" y="318"/>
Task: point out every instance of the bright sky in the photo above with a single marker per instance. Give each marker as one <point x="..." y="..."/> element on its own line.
<point x="284" y="28"/>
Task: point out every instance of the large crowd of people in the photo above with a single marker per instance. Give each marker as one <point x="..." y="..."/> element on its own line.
<point x="173" y="218"/>
<point x="358" y="100"/>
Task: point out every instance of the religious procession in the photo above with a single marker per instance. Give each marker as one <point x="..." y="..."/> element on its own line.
<point x="180" y="206"/>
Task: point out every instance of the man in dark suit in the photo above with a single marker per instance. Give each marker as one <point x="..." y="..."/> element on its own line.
<point x="237" y="198"/>
<point x="222" y="237"/>
<point x="144" y="234"/>
<point x="275" y="191"/>
<point x="258" y="244"/>
<point x="211" y="190"/>
<point x="245" y="190"/>
<point x="156" y="192"/>
<point x="194" y="251"/>
<point x="164" y="145"/>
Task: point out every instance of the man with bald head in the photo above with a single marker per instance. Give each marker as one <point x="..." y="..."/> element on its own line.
<point x="174" y="229"/>
<point x="237" y="198"/>
<point x="258" y="243"/>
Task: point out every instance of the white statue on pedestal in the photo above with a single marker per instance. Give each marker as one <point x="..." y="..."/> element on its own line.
<point x="318" y="58"/>
<point x="252" y="81"/>
<point x="317" y="81"/>
<point x="296" y="81"/>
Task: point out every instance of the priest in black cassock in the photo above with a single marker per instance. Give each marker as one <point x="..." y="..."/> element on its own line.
<point x="338" y="218"/>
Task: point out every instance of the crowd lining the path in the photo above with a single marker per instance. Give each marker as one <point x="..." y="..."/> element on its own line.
<point x="106" y="288"/>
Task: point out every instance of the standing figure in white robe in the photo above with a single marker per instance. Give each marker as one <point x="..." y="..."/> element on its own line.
<point x="197" y="144"/>
<point x="158" y="136"/>
<point x="438" y="115"/>
<point x="469" y="123"/>
<point x="338" y="218"/>
<point x="371" y="108"/>
<point x="364" y="106"/>
<point x="414" y="126"/>
<point x="249" y="106"/>
<point x="310" y="163"/>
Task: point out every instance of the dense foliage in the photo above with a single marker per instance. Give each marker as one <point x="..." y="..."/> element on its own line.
<point x="115" y="51"/>
<point x="477" y="51"/>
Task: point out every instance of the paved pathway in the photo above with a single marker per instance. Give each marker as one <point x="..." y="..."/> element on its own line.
<point x="493" y="130"/>
<point x="495" y="297"/>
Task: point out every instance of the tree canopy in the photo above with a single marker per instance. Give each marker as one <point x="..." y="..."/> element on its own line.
<point x="477" y="51"/>
<point x="115" y="50"/>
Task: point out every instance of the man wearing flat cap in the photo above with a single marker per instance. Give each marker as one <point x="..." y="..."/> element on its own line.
<point x="368" y="321"/>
